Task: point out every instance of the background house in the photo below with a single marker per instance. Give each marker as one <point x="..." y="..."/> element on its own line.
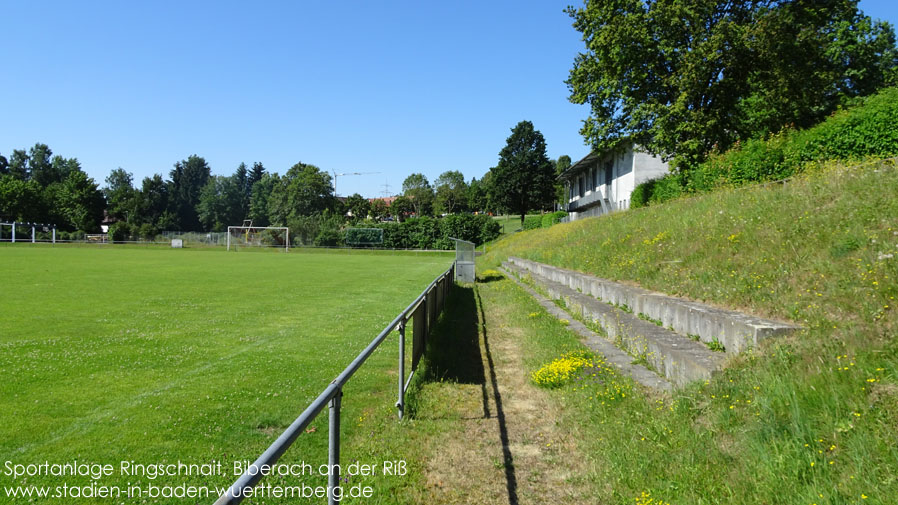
<point x="603" y="181"/>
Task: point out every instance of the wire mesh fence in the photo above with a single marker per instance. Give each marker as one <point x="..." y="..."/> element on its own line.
<point x="193" y="237"/>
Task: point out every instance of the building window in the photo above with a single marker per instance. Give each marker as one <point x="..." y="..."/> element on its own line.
<point x="595" y="177"/>
<point x="609" y="172"/>
<point x="582" y="183"/>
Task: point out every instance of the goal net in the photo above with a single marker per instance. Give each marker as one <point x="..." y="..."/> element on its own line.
<point x="258" y="236"/>
<point x="364" y="237"/>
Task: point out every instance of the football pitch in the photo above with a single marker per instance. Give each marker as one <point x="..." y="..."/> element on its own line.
<point x="152" y="356"/>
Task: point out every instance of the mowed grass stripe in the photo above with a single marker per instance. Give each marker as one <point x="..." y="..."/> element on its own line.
<point x="159" y="353"/>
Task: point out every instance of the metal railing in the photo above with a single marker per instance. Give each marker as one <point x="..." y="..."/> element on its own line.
<point x="423" y="313"/>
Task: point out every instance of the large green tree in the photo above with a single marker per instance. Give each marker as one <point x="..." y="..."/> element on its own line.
<point x="221" y="203"/>
<point x="41" y="187"/>
<point x="245" y="188"/>
<point x="401" y="208"/>
<point x="40" y="165"/>
<point x="524" y="179"/>
<point x="417" y="188"/>
<point x="303" y="191"/>
<point x="80" y="202"/>
<point x="561" y="164"/>
<point x="122" y="199"/>
<point x="153" y="207"/>
<point x="18" y="164"/>
<point x="187" y="180"/>
<point x="451" y="192"/>
<point x="20" y="200"/>
<point x="487" y="182"/>
<point x="379" y="209"/>
<point x="258" y="203"/>
<point x="358" y="206"/>
<point x="255" y="175"/>
<point x="476" y="195"/>
<point x="685" y="77"/>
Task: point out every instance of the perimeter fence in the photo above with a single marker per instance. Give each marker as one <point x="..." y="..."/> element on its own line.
<point x="420" y="315"/>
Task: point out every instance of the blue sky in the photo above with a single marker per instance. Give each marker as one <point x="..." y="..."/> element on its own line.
<point x="388" y="87"/>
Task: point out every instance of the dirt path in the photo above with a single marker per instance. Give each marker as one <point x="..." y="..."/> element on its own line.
<point x="510" y="448"/>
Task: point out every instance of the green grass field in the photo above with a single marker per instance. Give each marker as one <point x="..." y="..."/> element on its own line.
<point x="117" y="353"/>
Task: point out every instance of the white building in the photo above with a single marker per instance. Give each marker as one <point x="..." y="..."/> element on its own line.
<point x="603" y="181"/>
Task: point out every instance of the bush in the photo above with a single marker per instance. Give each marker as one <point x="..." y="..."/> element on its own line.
<point x="431" y="233"/>
<point x="641" y="194"/>
<point x="658" y="190"/>
<point x="869" y="130"/>
<point x="320" y="229"/>
<point x="477" y="229"/>
<point x="668" y="187"/>
<point x="422" y="232"/>
<point x="460" y="226"/>
<point x="329" y="233"/>
<point x="119" y="232"/>
<point x="533" y="222"/>
<point x="328" y="236"/>
<point x="552" y="218"/>
<point x="303" y="230"/>
<point x="490" y="229"/>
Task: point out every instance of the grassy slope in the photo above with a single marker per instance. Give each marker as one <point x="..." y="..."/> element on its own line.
<point x="146" y="354"/>
<point x="808" y="419"/>
<point x="510" y="224"/>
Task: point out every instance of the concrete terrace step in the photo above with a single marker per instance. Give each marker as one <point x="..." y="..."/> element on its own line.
<point x="614" y="356"/>
<point x="672" y="356"/>
<point x="735" y="330"/>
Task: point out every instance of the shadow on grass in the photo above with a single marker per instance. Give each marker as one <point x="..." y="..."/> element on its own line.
<point x="453" y="348"/>
<point x="490" y="276"/>
<point x="454" y="354"/>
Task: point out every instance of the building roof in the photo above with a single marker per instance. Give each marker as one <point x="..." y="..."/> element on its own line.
<point x="574" y="169"/>
<point x="386" y="199"/>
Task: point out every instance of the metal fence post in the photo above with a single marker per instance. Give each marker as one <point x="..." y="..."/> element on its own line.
<point x="426" y="317"/>
<point x="400" y="404"/>
<point x="333" y="449"/>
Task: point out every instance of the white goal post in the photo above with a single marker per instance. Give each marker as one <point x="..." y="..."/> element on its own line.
<point x="255" y="236"/>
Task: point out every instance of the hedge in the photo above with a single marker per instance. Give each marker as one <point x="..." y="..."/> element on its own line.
<point x="552" y="218"/>
<point x="868" y="130"/>
<point x="431" y="233"/>
<point x="533" y="222"/>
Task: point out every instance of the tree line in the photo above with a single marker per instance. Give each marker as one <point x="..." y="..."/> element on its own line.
<point x="37" y="186"/>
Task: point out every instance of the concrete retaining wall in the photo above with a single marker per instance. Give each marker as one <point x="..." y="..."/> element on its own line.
<point x="735" y="330"/>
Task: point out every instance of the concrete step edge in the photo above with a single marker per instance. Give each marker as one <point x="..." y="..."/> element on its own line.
<point x="735" y="330"/>
<point x="614" y="356"/>
<point x="673" y="356"/>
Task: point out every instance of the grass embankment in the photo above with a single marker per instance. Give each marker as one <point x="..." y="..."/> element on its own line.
<point x="811" y="418"/>
<point x="113" y="353"/>
<point x="866" y="130"/>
